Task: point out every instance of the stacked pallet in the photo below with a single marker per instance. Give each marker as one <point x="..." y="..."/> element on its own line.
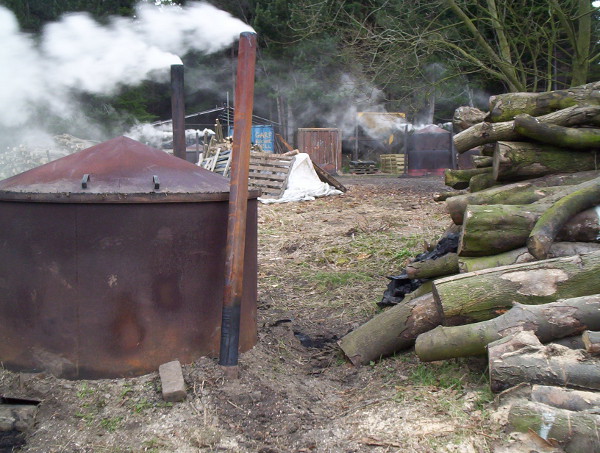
<point x="392" y="163"/>
<point x="270" y="173"/>
<point x="363" y="167"/>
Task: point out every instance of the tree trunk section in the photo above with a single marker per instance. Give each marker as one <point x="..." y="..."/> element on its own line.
<point x="562" y="398"/>
<point x="514" y="161"/>
<point x="565" y="137"/>
<point x="485" y="132"/>
<point x="576" y="432"/>
<point x="443" y="196"/>
<point x="554" y="218"/>
<point x="524" y="192"/>
<point x="495" y="229"/>
<point x="481" y="182"/>
<point x="482" y="295"/>
<point x="483" y="161"/>
<point x="393" y="330"/>
<point x="459" y="179"/>
<point x="522" y="255"/>
<point x="548" y="321"/>
<point x="444" y="265"/>
<point x="591" y="340"/>
<point x="505" y="107"/>
<point x="521" y="358"/>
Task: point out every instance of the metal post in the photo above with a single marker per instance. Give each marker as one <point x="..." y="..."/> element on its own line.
<point x="238" y="204"/>
<point x="178" y="111"/>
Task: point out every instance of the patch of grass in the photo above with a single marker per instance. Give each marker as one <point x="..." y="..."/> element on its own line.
<point x="329" y="280"/>
<point x="141" y="405"/>
<point x="85" y="390"/>
<point x="447" y="375"/>
<point x="87" y="417"/>
<point x="111" y="423"/>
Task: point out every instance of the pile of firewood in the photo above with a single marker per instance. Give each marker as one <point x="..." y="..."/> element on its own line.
<point x="526" y="268"/>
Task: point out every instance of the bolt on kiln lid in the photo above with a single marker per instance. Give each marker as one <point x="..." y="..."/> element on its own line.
<point x="120" y="170"/>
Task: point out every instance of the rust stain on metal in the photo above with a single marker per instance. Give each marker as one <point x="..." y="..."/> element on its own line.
<point x="323" y="145"/>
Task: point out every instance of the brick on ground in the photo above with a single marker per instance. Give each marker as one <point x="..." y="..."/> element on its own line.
<point x="171" y="378"/>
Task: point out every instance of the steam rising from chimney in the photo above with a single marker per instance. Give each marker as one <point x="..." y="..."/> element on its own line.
<point x="79" y="54"/>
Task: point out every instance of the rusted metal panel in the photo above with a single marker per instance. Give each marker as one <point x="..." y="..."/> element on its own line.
<point x="323" y="145"/>
<point x="100" y="290"/>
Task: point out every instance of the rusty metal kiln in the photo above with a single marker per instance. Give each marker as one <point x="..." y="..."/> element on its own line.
<point x="112" y="262"/>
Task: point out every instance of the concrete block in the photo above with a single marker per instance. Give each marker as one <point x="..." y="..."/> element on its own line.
<point x="171" y="378"/>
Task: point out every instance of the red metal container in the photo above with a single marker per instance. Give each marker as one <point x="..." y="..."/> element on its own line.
<point x="112" y="262"/>
<point x="323" y="145"/>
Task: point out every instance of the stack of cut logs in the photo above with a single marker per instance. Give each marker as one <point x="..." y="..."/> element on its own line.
<point x="524" y="283"/>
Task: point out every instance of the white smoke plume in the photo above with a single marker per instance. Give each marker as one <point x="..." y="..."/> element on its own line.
<point x="38" y="75"/>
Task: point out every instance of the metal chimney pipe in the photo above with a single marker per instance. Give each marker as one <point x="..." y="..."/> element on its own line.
<point x="178" y="110"/>
<point x="238" y="204"/>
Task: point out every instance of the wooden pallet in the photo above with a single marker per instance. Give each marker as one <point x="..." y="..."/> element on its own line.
<point x="367" y="167"/>
<point x="270" y="173"/>
<point x="392" y="163"/>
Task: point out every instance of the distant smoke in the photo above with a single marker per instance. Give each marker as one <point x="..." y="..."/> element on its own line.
<point x="38" y="77"/>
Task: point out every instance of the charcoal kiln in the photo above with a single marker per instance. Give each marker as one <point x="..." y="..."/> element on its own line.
<point x="112" y="261"/>
<point x="429" y="151"/>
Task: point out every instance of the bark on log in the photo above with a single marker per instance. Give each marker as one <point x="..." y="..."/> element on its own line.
<point x="554" y="218"/>
<point x="505" y="107"/>
<point x="576" y="432"/>
<point x="552" y="134"/>
<point x="521" y="358"/>
<point x="482" y="295"/>
<point x="483" y="161"/>
<point x="444" y="265"/>
<point x="515" y="161"/>
<point x="393" y="330"/>
<point x="548" y="321"/>
<point x="494" y="229"/>
<point x="562" y="398"/>
<point x="524" y="192"/>
<point x="465" y="117"/>
<point x="481" y="182"/>
<point x="484" y="133"/>
<point x="488" y="149"/>
<point x="522" y="255"/>
<point x="443" y="196"/>
<point x="591" y="340"/>
<point x="574" y="342"/>
<point x="459" y="179"/>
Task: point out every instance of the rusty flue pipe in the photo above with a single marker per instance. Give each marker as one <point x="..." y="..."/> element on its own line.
<point x="178" y="110"/>
<point x="238" y="204"/>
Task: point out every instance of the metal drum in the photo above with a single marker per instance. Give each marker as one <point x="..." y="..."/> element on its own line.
<point x="112" y="262"/>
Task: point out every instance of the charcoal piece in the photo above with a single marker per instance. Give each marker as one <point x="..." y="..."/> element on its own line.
<point x="397" y="288"/>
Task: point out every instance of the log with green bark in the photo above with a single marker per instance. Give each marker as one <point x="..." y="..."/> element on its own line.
<point x="522" y="255"/>
<point x="575" y="432"/>
<point x="481" y="182"/>
<point x="483" y="161"/>
<point x="521" y="358"/>
<point x="514" y="161"/>
<point x="523" y="192"/>
<point x="566" y="137"/>
<point x="443" y="196"/>
<point x="556" y="216"/>
<point x="563" y="398"/>
<point x="486" y="132"/>
<point x="390" y="331"/>
<point x="493" y="229"/>
<point x="444" y="265"/>
<point x="482" y="295"/>
<point x="459" y="179"/>
<point x="504" y="107"/>
<point x="548" y="321"/>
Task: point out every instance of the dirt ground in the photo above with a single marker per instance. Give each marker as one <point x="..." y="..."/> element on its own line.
<point x="322" y="268"/>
